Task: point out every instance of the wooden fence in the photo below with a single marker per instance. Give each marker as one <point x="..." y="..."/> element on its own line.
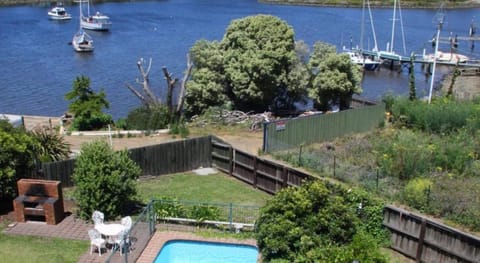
<point x="260" y="173"/>
<point x="428" y="241"/>
<point x="160" y="159"/>
<point x="413" y="235"/>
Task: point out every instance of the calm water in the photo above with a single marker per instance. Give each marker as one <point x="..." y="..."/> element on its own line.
<point x="38" y="66"/>
<point x="182" y="251"/>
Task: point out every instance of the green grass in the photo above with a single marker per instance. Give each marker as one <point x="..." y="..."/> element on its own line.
<point x="216" y="188"/>
<point x="37" y="249"/>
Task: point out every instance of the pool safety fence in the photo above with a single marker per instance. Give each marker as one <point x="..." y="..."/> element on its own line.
<point x="224" y="216"/>
<point x="130" y="246"/>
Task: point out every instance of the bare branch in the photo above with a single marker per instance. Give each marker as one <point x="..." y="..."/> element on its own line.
<point x="181" y="95"/>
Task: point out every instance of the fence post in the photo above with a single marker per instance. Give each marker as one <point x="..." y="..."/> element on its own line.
<point x="334" y="165"/>
<point x="230" y="216"/>
<point x="255" y="171"/>
<point x="421" y="238"/>
<point x="230" y="159"/>
<point x="285" y="177"/>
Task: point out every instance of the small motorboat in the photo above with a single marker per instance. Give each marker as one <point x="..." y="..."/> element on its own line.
<point x="59" y="13"/>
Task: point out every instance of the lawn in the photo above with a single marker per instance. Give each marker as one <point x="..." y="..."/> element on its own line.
<point x="38" y="249"/>
<point x="215" y="188"/>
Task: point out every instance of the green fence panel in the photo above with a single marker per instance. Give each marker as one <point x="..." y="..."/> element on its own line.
<point x="288" y="133"/>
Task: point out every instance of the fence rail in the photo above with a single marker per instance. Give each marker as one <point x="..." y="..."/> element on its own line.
<point x="428" y="241"/>
<point x="263" y="174"/>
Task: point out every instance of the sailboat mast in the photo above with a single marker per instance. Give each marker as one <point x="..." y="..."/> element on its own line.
<point x="393" y="25"/>
<point x="362" y="25"/>
<point x="375" y="47"/>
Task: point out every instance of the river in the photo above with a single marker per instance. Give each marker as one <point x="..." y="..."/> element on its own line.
<point x="38" y="66"/>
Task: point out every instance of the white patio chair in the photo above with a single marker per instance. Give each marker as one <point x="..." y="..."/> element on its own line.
<point x="127" y="222"/>
<point x="122" y="241"/>
<point x="96" y="240"/>
<point x="98" y="217"/>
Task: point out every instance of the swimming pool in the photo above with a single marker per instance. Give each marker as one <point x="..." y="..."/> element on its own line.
<point x="176" y="251"/>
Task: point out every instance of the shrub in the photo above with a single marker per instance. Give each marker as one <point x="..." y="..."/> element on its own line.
<point x="316" y="222"/>
<point x="104" y="179"/>
<point x="205" y="212"/>
<point x="148" y="118"/>
<point x="167" y="207"/>
<point x="416" y="193"/>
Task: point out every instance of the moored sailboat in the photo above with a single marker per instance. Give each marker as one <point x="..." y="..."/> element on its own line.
<point x="82" y="42"/>
<point x="97" y="21"/>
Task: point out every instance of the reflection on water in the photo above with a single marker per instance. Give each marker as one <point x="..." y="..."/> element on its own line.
<point x="38" y="66"/>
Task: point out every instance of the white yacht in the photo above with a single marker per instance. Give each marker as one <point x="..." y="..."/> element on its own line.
<point x="59" y="13"/>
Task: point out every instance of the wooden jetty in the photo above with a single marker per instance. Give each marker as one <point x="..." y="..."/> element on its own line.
<point x="419" y="59"/>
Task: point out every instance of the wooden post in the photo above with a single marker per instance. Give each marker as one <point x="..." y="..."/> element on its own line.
<point x="255" y="179"/>
<point x="230" y="159"/>
<point x="421" y="239"/>
<point x="285" y="177"/>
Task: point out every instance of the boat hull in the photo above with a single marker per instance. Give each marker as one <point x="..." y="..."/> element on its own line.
<point x="100" y="23"/>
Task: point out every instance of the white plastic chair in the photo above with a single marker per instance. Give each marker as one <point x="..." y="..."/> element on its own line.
<point x="127" y="222"/>
<point x="96" y="240"/>
<point x="98" y="217"/>
<point x="122" y="241"/>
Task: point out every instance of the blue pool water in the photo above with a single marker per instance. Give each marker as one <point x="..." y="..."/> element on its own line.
<point x="182" y="251"/>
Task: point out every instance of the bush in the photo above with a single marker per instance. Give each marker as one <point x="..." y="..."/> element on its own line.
<point x="416" y="193"/>
<point x="169" y="208"/>
<point x="316" y="222"/>
<point x="104" y="179"/>
<point x="145" y="118"/>
<point x="441" y="116"/>
<point x="205" y="212"/>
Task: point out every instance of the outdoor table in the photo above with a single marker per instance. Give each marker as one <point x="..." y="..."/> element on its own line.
<point x="111" y="231"/>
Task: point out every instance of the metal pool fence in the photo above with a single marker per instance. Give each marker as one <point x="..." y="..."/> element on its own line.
<point x="137" y="238"/>
<point x="226" y="216"/>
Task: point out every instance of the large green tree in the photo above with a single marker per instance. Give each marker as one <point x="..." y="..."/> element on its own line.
<point x="335" y="78"/>
<point x="259" y="52"/>
<point x="255" y="67"/>
<point x="206" y="87"/>
<point x="87" y="106"/>
<point x="104" y="180"/>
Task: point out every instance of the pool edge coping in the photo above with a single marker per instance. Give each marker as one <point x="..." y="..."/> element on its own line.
<point x="160" y="238"/>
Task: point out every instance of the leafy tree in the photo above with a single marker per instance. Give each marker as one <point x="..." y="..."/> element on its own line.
<point x="259" y="52"/>
<point x="16" y="157"/>
<point x="104" y="179"/>
<point x="206" y="87"/>
<point x="86" y="106"/>
<point x="335" y="78"/>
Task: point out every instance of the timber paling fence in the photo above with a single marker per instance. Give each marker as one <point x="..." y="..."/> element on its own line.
<point x="428" y="241"/>
<point x="166" y="158"/>
<point x="288" y="133"/>
<point x="415" y="236"/>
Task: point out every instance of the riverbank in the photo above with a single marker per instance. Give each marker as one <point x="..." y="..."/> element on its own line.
<point x="377" y="4"/>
